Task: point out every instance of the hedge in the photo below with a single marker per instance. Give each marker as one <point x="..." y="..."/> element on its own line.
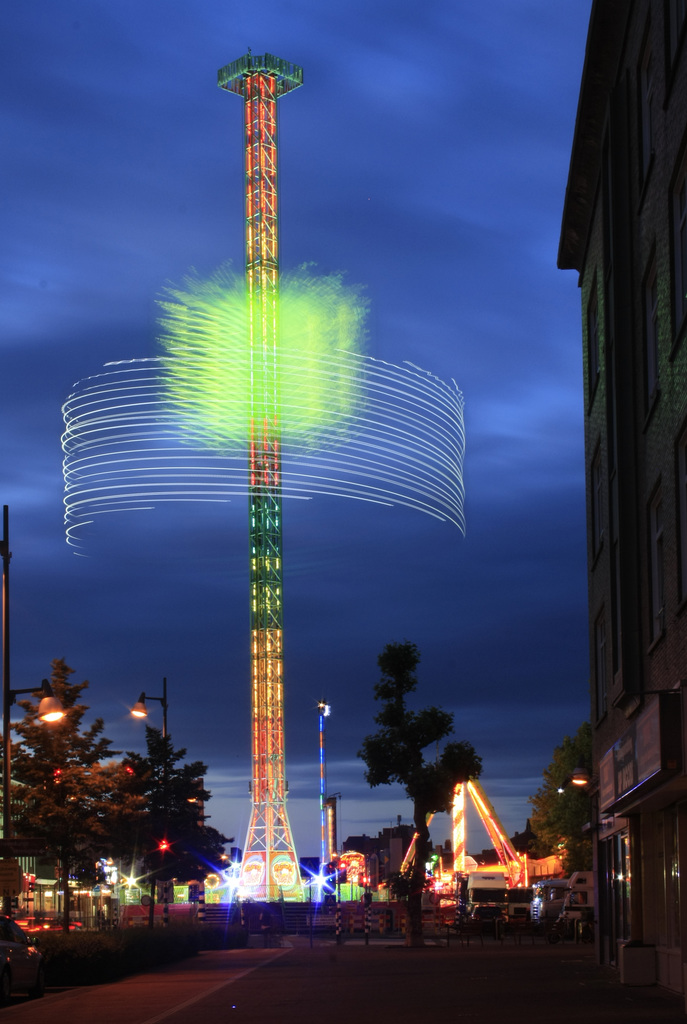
<point x="93" y="958"/>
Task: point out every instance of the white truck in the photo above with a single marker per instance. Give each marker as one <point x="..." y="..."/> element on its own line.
<point x="520" y="903"/>
<point x="487" y="889"/>
<point x="578" y="906"/>
<point x="549" y="896"/>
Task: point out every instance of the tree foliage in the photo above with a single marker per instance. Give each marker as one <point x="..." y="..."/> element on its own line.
<point x="558" y="818"/>
<point x="395" y="753"/>
<point x="71" y="790"/>
<point x="68" y="788"/>
<point x="175" y="796"/>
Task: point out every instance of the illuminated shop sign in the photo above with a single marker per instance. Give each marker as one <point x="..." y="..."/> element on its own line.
<point x="645" y="755"/>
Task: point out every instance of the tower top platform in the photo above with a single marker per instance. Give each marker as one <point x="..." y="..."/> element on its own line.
<point x="231" y="77"/>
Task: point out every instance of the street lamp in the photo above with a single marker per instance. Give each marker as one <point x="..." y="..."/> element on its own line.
<point x="324" y="712"/>
<point x="579" y="777"/>
<point x="49" y="710"/>
<point x="139" y="710"/>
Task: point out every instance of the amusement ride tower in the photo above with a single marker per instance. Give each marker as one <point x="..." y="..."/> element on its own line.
<point x="270" y="866"/>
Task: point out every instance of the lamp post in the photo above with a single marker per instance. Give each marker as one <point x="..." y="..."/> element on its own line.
<point x="139" y="710"/>
<point x="6" y="555"/>
<point x="324" y="712"/>
<point x="49" y="710"/>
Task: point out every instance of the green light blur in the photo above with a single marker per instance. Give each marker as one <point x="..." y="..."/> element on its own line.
<point x="205" y="338"/>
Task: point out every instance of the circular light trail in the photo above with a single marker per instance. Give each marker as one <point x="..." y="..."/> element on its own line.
<point x="396" y="437"/>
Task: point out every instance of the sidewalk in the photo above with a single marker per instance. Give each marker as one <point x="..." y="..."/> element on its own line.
<point x="490" y="983"/>
<point x="383" y="983"/>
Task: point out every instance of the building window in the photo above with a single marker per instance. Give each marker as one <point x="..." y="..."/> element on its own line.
<point x="593" y="352"/>
<point x="596" y="491"/>
<point x="616" y="611"/>
<point x="677" y="15"/>
<point x="682" y="510"/>
<point x="600" y="666"/>
<point x="646" y="87"/>
<point x="651" y="333"/>
<point x="680" y="246"/>
<point x="656" y="554"/>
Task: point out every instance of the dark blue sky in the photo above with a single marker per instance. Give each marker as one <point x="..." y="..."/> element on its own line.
<point x="426" y="156"/>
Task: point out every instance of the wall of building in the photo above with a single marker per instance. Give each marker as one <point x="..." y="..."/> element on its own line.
<point x="620" y="233"/>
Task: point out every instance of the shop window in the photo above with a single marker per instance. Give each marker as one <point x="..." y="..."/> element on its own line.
<point x="593" y="346"/>
<point x="596" y="491"/>
<point x="600" y="666"/>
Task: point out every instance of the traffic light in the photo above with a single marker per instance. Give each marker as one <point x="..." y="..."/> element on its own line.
<point x="331" y="869"/>
<point x="163" y="846"/>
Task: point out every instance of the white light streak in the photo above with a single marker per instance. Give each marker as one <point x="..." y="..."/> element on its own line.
<point x="127" y="446"/>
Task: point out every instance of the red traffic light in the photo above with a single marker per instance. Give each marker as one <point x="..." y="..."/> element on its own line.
<point x="163" y="845"/>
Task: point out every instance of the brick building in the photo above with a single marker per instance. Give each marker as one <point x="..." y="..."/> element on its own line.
<point x="625" y="232"/>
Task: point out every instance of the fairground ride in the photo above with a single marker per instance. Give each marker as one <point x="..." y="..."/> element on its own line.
<point x="270" y="865"/>
<point x="514" y="863"/>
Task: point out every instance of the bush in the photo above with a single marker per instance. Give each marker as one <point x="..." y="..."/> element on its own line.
<point x="92" y="958"/>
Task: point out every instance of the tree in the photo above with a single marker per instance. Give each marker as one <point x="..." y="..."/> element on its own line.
<point x="175" y="841"/>
<point x="558" y="817"/>
<point x="67" y="794"/>
<point x="395" y="754"/>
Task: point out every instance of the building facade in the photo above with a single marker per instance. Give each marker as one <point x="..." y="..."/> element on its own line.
<point x="625" y="232"/>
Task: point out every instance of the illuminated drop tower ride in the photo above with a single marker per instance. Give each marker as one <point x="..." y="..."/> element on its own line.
<point x="270" y="866"/>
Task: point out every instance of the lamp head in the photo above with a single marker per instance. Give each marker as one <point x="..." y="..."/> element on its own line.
<point x="580" y="777"/>
<point x="139" y="710"/>
<point x="50" y="708"/>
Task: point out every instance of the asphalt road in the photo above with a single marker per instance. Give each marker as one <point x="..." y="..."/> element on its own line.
<point x="382" y="982"/>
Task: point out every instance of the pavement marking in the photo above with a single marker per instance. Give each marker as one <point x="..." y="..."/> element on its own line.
<point x="211" y="991"/>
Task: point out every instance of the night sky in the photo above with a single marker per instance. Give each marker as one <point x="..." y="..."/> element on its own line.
<point x="425" y="156"/>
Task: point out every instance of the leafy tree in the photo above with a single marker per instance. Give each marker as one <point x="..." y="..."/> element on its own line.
<point x="558" y="817"/>
<point x="395" y="754"/>
<point x="70" y="795"/>
<point x="174" y="841"/>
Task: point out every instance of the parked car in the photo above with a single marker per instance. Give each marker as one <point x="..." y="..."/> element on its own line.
<point x="36" y="925"/>
<point x="491" y="918"/>
<point x="21" y="964"/>
<point x="487" y="912"/>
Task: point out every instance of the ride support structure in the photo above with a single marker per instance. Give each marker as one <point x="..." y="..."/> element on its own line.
<point x="269" y="868"/>
<point x="515" y="863"/>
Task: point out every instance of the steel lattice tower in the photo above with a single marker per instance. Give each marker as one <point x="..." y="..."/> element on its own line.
<point x="270" y="865"/>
